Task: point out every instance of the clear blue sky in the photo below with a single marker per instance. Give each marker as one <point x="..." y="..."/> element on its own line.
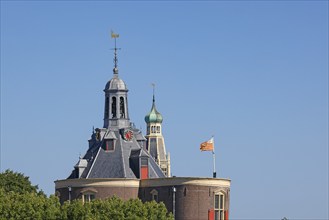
<point x="252" y="73"/>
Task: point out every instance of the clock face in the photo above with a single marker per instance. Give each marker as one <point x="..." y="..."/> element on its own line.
<point x="128" y="135"/>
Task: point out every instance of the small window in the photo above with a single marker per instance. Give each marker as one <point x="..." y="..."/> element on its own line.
<point x="154" y="194"/>
<point x="88" y="197"/>
<point x="108" y="145"/>
<point x="144" y="161"/>
<point x="155" y="197"/>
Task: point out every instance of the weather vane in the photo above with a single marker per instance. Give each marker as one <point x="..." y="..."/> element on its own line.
<point x="115" y="36"/>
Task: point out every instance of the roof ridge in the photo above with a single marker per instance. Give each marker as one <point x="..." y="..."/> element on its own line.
<point x="123" y="159"/>
<point x="93" y="162"/>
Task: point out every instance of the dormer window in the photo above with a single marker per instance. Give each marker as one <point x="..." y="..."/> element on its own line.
<point x="108" y="144"/>
<point x="144" y="167"/>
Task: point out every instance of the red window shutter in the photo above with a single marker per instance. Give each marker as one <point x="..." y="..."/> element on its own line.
<point x="226" y="214"/>
<point x="144" y="172"/>
<point x="211" y="214"/>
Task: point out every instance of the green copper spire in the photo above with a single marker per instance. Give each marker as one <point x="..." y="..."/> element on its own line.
<point x="154" y="116"/>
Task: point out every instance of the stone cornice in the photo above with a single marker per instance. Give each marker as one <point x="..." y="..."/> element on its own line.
<point x="176" y="181"/>
<point x="157" y="182"/>
<point x="105" y="182"/>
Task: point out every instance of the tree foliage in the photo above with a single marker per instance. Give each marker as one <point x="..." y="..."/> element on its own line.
<point x="16" y="182"/>
<point x="20" y="200"/>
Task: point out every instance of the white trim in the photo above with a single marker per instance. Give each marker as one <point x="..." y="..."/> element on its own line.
<point x="170" y="181"/>
<point x="125" y="182"/>
<point x="123" y="159"/>
<point x="93" y="162"/>
<point x="110" y="182"/>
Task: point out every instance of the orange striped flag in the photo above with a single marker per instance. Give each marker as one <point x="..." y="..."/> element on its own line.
<point x="208" y="145"/>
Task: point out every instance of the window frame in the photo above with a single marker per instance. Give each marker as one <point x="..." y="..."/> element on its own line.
<point x="219" y="206"/>
<point x="107" y="145"/>
<point x="155" y="195"/>
<point x="88" y="197"/>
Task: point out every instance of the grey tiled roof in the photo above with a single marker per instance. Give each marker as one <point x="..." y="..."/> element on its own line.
<point x="117" y="163"/>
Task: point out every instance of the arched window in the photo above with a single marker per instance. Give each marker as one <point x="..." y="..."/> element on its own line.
<point x="219" y="206"/>
<point x="122" y="107"/>
<point x="87" y="197"/>
<point x="88" y="194"/>
<point x="154" y="194"/>
<point x="114" y="107"/>
<point x="107" y="107"/>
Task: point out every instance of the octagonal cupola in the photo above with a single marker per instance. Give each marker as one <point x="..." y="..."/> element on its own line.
<point x="116" y="103"/>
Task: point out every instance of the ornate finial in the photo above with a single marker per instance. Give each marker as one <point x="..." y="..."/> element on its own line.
<point x="153" y="85"/>
<point x="115" y="60"/>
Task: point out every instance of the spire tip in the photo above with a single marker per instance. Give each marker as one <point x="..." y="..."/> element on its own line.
<point x="115" y="60"/>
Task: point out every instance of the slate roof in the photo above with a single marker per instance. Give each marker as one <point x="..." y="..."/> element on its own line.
<point x="116" y="163"/>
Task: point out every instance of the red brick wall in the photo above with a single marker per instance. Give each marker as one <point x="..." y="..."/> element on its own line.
<point x="192" y="202"/>
<point x="102" y="193"/>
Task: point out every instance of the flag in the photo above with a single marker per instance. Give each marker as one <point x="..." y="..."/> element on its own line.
<point x="114" y="35"/>
<point x="207" y="145"/>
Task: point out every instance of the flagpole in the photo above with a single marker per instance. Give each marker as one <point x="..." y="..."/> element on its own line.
<point x="214" y="161"/>
<point x="214" y="172"/>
